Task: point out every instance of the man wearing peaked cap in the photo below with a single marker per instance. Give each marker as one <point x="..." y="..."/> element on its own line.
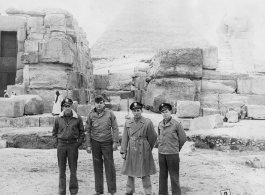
<point x="164" y="106"/>
<point x="68" y="133"/>
<point x="169" y="146"/>
<point x="138" y="141"/>
<point x="136" y="105"/>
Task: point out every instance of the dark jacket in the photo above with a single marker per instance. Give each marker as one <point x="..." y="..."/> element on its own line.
<point x="137" y="143"/>
<point x="171" y="137"/>
<point x="73" y="130"/>
<point x="101" y="127"/>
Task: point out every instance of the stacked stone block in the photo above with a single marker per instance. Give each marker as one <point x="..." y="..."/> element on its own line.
<point x="53" y="53"/>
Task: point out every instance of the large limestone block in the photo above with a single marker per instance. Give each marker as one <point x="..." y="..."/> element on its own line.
<point x="35" y="22"/>
<point x="209" y="100"/>
<point x="188" y="109"/>
<point x="207" y="122"/>
<point x="21" y="34"/>
<point x="33" y="104"/>
<point x="11" y="23"/>
<point x="25" y="121"/>
<point x="37" y="12"/>
<point x="84" y="110"/>
<point x="3" y="144"/>
<point x="56" y="76"/>
<point x="255" y="111"/>
<point x="31" y="46"/>
<point x="218" y="86"/>
<point x="58" y="51"/>
<point x="168" y="90"/>
<point x="120" y="81"/>
<point x="18" y="89"/>
<point x="29" y="58"/>
<point x="177" y="62"/>
<point x="54" y="20"/>
<point x="232" y="116"/>
<point x="210" y="57"/>
<point x="185" y="122"/>
<point x="198" y="87"/>
<point x="11" y="107"/>
<point x="47" y="121"/>
<point x="115" y="102"/>
<point x="35" y="36"/>
<point x="251" y="85"/>
<point x="234" y="100"/>
<point x="217" y="75"/>
<point x="210" y="111"/>
<point x="256" y="100"/>
<point x="57" y="11"/>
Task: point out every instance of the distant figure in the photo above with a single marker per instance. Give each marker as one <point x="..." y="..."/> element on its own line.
<point x="6" y="94"/>
<point x="58" y="98"/>
<point x="13" y="95"/>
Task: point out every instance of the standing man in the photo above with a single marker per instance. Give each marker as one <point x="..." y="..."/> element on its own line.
<point x="102" y="136"/>
<point x="171" y="139"/>
<point x="68" y="133"/>
<point x="138" y="140"/>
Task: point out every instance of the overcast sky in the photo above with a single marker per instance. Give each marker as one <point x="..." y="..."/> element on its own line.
<point x="94" y="16"/>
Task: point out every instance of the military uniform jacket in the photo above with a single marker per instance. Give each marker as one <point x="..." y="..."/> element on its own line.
<point x="171" y="137"/>
<point x="68" y="131"/>
<point x="137" y="143"/>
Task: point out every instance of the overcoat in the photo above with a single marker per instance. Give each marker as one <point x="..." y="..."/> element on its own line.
<point x="138" y="141"/>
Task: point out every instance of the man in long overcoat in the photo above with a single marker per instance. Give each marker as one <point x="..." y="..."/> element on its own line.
<point x="138" y="140"/>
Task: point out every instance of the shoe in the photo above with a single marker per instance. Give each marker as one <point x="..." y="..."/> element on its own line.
<point x="98" y="193"/>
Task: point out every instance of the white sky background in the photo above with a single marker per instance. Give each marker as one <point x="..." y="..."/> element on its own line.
<point x="94" y="16"/>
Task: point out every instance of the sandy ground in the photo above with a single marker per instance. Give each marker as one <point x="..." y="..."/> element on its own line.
<point x="35" y="172"/>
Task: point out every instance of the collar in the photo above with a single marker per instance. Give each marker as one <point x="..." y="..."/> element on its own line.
<point x="74" y="114"/>
<point x="142" y="120"/>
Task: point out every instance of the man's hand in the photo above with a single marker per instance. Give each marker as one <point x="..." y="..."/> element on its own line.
<point x="114" y="146"/>
<point x="123" y="156"/>
<point x="88" y="150"/>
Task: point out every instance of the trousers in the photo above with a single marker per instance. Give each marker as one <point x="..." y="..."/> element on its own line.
<point x="102" y="152"/>
<point x="169" y="163"/>
<point x="146" y="181"/>
<point x="67" y="152"/>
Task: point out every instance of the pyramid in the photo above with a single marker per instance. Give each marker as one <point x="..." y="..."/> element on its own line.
<point x="143" y="27"/>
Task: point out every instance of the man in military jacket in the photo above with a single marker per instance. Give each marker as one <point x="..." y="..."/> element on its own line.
<point x="68" y="133"/>
<point x="171" y="138"/>
<point x="138" y="140"/>
<point x="102" y="136"/>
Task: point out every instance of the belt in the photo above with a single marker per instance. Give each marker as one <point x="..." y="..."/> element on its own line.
<point x="68" y="141"/>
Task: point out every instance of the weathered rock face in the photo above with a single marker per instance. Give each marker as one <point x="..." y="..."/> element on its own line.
<point x="251" y="85"/>
<point x="210" y="111"/>
<point x="210" y="57"/>
<point x="178" y="62"/>
<point x="11" y="107"/>
<point x="255" y="111"/>
<point x="168" y="90"/>
<point x="209" y="100"/>
<point x="53" y="52"/>
<point x="188" y="109"/>
<point x="207" y="122"/>
<point x="33" y="104"/>
<point x="218" y="86"/>
<point x="120" y="81"/>
<point x="232" y="116"/>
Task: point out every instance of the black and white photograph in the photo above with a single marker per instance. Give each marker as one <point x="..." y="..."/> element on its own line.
<point x="132" y="97"/>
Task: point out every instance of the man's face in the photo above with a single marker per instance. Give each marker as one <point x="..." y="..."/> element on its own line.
<point x="67" y="109"/>
<point x="100" y="105"/>
<point x="137" y="113"/>
<point x="166" y="114"/>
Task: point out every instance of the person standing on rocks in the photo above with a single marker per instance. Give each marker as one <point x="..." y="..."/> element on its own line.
<point x="102" y="136"/>
<point x="138" y="140"/>
<point x="57" y="109"/>
<point x="171" y="138"/>
<point x="68" y="133"/>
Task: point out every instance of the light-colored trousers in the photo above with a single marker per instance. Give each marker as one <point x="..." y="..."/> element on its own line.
<point x="146" y="180"/>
